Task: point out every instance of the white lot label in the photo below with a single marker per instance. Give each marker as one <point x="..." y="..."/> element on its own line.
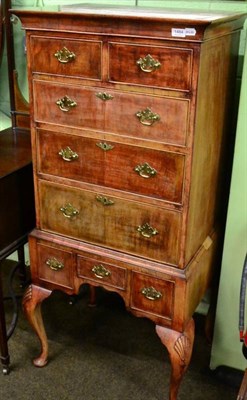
<point x="180" y="32"/>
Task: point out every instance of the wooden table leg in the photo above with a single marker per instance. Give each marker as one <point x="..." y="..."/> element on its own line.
<point x="92" y="297"/>
<point x="22" y="265"/>
<point x="4" y="353"/>
<point x="179" y="346"/>
<point x="32" y="300"/>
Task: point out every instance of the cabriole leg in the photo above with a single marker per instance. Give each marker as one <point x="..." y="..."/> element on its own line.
<point x="32" y="300"/>
<point x="179" y="346"/>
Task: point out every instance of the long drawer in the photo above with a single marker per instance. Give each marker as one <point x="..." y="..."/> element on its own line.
<point x="134" y="169"/>
<point x="129" y="226"/>
<point x="155" y="118"/>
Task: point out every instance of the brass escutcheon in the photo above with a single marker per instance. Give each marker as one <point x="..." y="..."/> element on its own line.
<point x="104" y="200"/>
<point x="147" y="117"/>
<point x="147" y="231"/>
<point x="145" y="171"/>
<point x="65" y="104"/>
<point x="64" y="55"/>
<point x="105" y="146"/>
<point x="151" y="293"/>
<point x="100" y="271"/>
<point x="68" y="155"/>
<point x="148" y="64"/>
<point x="104" y="96"/>
<point x="69" y="211"/>
<point x="54" y="264"/>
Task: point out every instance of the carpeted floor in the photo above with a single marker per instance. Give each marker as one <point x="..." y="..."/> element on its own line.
<point x="102" y="353"/>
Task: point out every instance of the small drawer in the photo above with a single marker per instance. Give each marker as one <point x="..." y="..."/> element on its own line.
<point x="102" y="272"/>
<point x="130" y="226"/>
<point x="152" y="295"/>
<point x="65" y="56"/>
<point x="55" y="266"/>
<point x="154" y="66"/>
<point x="140" y="116"/>
<point x="133" y="169"/>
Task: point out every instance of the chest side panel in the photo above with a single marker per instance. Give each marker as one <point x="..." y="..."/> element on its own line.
<point x="213" y="140"/>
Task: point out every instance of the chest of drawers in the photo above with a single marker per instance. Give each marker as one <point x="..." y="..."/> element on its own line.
<point x="131" y="124"/>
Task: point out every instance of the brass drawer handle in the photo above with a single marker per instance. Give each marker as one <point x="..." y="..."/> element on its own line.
<point x="104" y="96"/>
<point x="147" y="231"/>
<point x="104" y="200"/>
<point x="148" y="64"/>
<point x="65" y="104"/>
<point x="69" y="211"/>
<point x="147" y="117"/>
<point x="100" y="271"/>
<point x="151" y="293"/>
<point x="68" y="155"/>
<point x="54" y="264"/>
<point x="105" y="146"/>
<point x="145" y="171"/>
<point x="64" y="56"/>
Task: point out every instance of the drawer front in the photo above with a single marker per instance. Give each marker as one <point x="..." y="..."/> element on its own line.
<point x="55" y="266"/>
<point x="78" y="58"/>
<point x="152" y="295"/>
<point x="101" y="272"/>
<point x="130" y="168"/>
<point x="153" y="118"/>
<point x="130" y="226"/>
<point x="154" y="66"/>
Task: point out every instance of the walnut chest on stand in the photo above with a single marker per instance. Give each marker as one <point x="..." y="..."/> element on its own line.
<point x="131" y="124"/>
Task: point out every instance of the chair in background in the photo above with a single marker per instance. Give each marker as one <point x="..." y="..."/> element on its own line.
<point x="17" y="216"/>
